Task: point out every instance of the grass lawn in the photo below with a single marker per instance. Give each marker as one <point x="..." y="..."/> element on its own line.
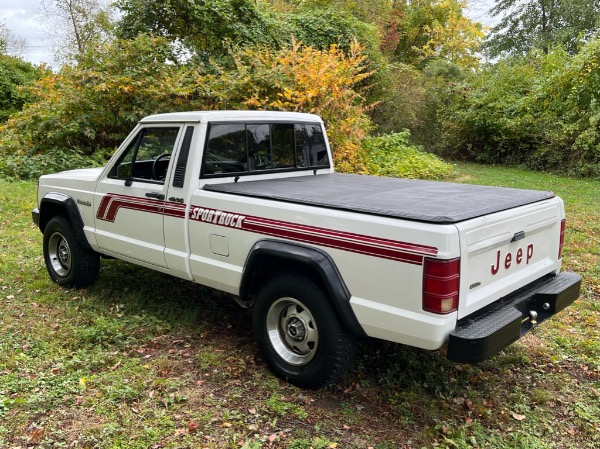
<point x="145" y="360"/>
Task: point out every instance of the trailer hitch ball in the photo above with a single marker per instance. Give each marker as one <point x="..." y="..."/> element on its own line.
<point x="546" y="306"/>
<point x="533" y="316"/>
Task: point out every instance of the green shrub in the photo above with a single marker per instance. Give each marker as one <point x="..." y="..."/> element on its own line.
<point x="55" y="160"/>
<point x="15" y="76"/>
<point x="88" y="109"/>
<point x="541" y="111"/>
<point x="391" y="155"/>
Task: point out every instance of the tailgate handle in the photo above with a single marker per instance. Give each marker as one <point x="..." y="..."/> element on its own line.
<point x="518" y="236"/>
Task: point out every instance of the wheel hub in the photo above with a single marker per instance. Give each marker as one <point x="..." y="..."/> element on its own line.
<point x="295" y="328"/>
<point x="292" y="331"/>
<point x="63" y="253"/>
<point x="59" y="254"/>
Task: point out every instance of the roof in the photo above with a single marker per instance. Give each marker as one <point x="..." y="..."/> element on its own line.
<point x="205" y="116"/>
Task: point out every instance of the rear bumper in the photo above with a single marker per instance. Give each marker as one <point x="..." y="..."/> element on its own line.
<point x="486" y="332"/>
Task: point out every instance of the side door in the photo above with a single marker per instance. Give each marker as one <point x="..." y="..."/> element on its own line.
<point x="130" y="197"/>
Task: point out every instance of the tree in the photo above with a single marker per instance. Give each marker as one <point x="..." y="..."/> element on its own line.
<point x="15" y="76"/>
<point x="75" y="25"/>
<point x="11" y="44"/>
<point x="541" y="24"/>
<point x="205" y="28"/>
<point x="419" y="31"/>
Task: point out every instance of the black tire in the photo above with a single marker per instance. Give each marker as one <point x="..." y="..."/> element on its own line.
<point x="67" y="262"/>
<point x="299" y="333"/>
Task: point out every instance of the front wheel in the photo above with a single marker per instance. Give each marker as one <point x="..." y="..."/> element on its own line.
<point x="68" y="263"/>
<point x="299" y="332"/>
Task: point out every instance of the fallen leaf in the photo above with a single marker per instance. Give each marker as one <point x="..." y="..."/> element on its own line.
<point x="272" y="437"/>
<point x="252" y="411"/>
<point x="469" y="405"/>
<point x="192" y="426"/>
<point x="518" y="417"/>
<point x="332" y="446"/>
<point x="35" y="436"/>
<point x="226" y="424"/>
<point x="572" y="431"/>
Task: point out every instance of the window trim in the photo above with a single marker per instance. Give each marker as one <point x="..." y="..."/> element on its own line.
<point x="239" y="174"/>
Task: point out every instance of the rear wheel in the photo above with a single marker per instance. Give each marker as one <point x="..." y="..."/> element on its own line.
<point x="67" y="262"/>
<point x="299" y="333"/>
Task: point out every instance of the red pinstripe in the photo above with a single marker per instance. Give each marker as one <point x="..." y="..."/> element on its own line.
<point x="405" y="252"/>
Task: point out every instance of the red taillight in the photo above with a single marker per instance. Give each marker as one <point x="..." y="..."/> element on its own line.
<point x="441" y="279"/>
<point x="563" y="226"/>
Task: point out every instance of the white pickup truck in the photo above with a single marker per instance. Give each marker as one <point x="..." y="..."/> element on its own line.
<point x="248" y="203"/>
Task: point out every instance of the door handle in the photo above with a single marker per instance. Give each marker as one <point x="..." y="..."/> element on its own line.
<point x="158" y="196"/>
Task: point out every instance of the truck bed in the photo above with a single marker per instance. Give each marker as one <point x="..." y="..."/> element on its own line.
<point x="423" y="201"/>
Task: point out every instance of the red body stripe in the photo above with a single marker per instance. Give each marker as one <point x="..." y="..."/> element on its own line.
<point x="355" y="243"/>
<point x="111" y="203"/>
<point x="410" y="253"/>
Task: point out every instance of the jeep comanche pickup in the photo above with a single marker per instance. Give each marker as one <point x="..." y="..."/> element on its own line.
<point x="248" y="203"/>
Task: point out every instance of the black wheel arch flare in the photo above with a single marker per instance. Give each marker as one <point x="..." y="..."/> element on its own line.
<point x="268" y="251"/>
<point x="53" y="203"/>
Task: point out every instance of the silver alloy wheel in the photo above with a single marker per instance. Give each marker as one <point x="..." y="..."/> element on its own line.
<point x="60" y="254"/>
<point x="292" y="331"/>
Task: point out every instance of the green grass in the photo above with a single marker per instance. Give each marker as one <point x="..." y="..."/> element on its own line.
<point x="145" y="360"/>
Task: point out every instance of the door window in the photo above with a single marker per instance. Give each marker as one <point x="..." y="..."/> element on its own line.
<point x="147" y="156"/>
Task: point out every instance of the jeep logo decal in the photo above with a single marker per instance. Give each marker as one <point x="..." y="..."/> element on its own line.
<point x="508" y="259"/>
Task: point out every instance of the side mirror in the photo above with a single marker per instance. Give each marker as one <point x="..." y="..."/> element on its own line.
<point x="128" y="182"/>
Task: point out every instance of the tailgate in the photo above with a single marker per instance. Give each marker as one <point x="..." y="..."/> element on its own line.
<point x="505" y="251"/>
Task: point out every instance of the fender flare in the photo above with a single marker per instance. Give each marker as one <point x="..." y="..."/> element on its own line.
<point x="317" y="260"/>
<point x="53" y="201"/>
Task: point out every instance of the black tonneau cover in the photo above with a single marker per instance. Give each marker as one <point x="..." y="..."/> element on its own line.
<point x="425" y="201"/>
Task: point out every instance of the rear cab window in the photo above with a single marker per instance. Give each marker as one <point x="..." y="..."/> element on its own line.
<point x="252" y="148"/>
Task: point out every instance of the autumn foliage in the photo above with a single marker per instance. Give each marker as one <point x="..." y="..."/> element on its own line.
<point x="332" y="57"/>
<point x="328" y="82"/>
<point x="87" y="110"/>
